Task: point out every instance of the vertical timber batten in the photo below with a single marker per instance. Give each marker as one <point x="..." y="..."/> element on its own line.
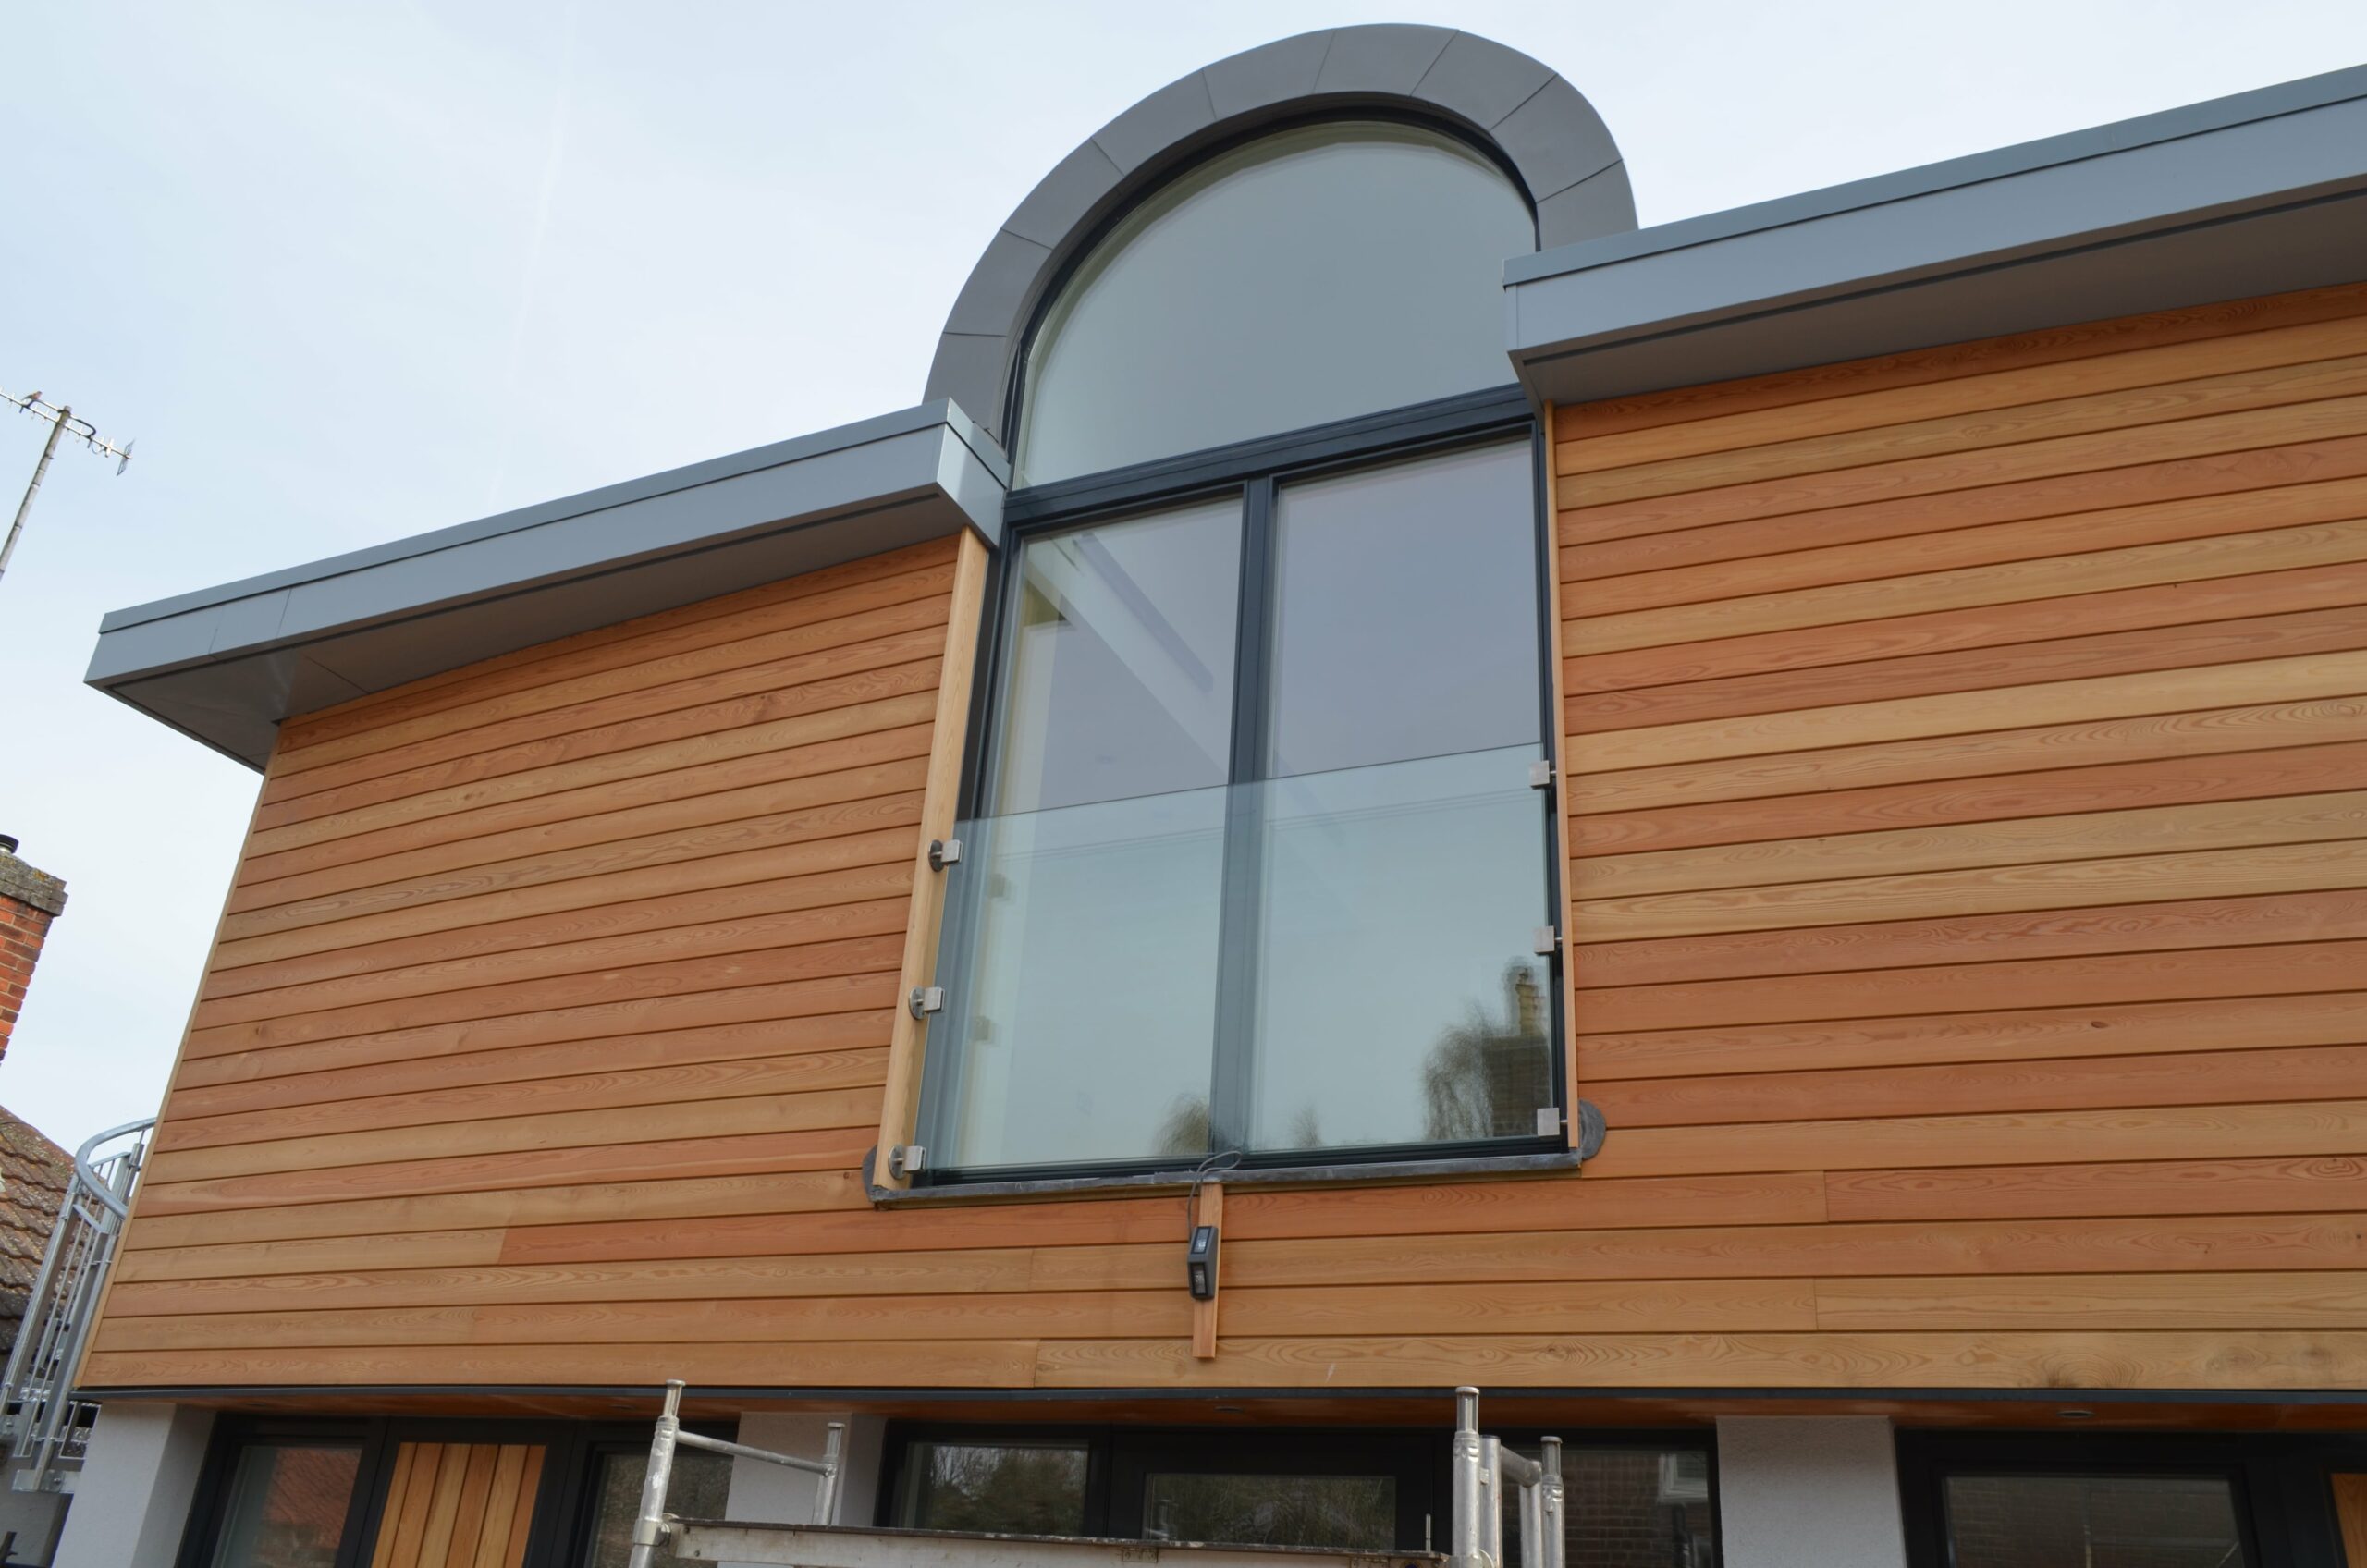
<point x="940" y="804"/>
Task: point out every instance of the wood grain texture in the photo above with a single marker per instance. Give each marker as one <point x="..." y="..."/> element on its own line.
<point x="1962" y="791"/>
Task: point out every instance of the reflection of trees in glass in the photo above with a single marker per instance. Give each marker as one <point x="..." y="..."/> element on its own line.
<point x="1006" y="1488"/>
<point x="1333" y="1511"/>
<point x="1486" y="1076"/>
<point x="1184" y="1128"/>
<point x="696" y="1489"/>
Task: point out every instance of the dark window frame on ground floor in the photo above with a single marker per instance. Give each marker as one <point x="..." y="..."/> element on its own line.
<point x="2280" y="1482"/>
<point x="1123" y="1457"/>
<point x="565" y="1499"/>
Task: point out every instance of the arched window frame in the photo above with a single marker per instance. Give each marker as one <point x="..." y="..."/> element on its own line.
<point x="1256" y="469"/>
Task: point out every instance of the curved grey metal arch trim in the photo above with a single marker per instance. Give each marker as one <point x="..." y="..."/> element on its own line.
<point x="1540" y="125"/>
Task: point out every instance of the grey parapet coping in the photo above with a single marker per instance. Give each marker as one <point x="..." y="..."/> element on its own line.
<point x="29" y="885"/>
<point x="227" y="665"/>
<point x="1543" y="127"/>
<point x="2256" y="193"/>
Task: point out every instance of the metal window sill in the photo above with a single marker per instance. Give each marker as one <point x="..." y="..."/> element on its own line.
<point x="1362" y="1172"/>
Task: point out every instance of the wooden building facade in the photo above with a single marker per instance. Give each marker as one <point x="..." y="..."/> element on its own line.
<point x="1957" y="794"/>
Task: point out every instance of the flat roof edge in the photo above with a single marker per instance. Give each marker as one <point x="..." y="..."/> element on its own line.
<point x="227" y="665"/>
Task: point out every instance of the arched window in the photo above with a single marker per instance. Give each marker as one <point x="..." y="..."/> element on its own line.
<point x="1258" y="857"/>
<point x="1313" y="274"/>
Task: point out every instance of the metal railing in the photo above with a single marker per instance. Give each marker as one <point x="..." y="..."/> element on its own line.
<point x="653" y="1526"/>
<point x="1481" y="1468"/>
<point x="44" y="1424"/>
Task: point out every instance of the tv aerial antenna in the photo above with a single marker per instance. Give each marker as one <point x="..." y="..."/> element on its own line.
<point x="61" y="421"/>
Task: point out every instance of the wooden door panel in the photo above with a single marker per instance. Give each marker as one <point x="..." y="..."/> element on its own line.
<point x="458" y="1505"/>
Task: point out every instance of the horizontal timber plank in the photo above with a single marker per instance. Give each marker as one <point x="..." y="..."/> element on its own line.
<point x="1888" y="402"/>
<point x="183" y="1160"/>
<point x="2316" y="1183"/>
<point x="788" y="1004"/>
<point x="633" y="655"/>
<point x="830" y="1044"/>
<point x="2234" y="1132"/>
<point x="2285" y="818"/>
<point x="2190" y="924"/>
<point x="978" y="1363"/>
<point x="1888" y="527"/>
<point x="2106" y="699"/>
<point x="834" y="1149"/>
<point x="869" y="792"/>
<point x="1585" y="520"/>
<point x="874" y="867"/>
<point x="1950" y="760"/>
<point x="882" y="1319"/>
<point x="675" y="1083"/>
<point x="2069" y="884"/>
<point x="2336" y="372"/>
<point x="2225" y="1077"/>
<point x="2242" y="1303"/>
<point x="672" y="977"/>
<point x="2053" y="1361"/>
<point x="456" y="1273"/>
<point x="725" y="929"/>
<point x="628" y="1201"/>
<point x="880" y="667"/>
<point x="2167" y="781"/>
<point x="2271" y="969"/>
<point x="2012" y="1035"/>
<point x="2021" y="581"/>
<point x="2308" y="611"/>
<point x="793" y="748"/>
<point x="1804" y="388"/>
<point x="866" y="829"/>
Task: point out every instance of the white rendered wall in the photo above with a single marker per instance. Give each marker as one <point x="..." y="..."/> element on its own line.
<point x="1808" y="1491"/>
<point x="774" y="1494"/>
<point x="131" y="1500"/>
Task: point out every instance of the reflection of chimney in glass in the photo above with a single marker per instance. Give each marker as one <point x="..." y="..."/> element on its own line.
<point x="1486" y="1077"/>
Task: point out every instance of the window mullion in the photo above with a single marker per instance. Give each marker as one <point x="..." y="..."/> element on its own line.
<point x="1234" y="1062"/>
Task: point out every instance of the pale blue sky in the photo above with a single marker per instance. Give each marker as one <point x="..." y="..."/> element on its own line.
<point x="352" y="271"/>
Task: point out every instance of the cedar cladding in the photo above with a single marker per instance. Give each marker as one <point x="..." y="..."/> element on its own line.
<point x="1965" y="783"/>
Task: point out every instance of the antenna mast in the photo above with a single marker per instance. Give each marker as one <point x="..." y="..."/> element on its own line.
<point x="61" y="423"/>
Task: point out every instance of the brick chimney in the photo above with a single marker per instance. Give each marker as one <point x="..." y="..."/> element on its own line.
<point x="29" y="900"/>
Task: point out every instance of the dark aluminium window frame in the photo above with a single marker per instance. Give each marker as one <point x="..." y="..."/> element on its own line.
<point x="564" y="1497"/>
<point x="1254" y="470"/>
<point x="1123" y="1457"/>
<point x="2280" y="1482"/>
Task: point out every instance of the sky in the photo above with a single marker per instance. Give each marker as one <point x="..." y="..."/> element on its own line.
<point x="349" y="272"/>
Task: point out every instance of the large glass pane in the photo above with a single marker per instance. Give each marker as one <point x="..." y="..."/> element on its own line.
<point x="287" y="1506"/>
<point x="1355" y="1512"/>
<point x="1628" y="1508"/>
<point x="1119" y="679"/>
<point x="1003" y="1488"/>
<point x="698" y="1488"/>
<point x="1399" y="996"/>
<point x="2094" y="1521"/>
<point x="1406" y="613"/>
<point x="1082" y="1013"/>
<point x="1314" y="274"/>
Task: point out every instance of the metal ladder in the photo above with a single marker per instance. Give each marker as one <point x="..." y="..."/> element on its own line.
<point x="1482" y="1467"/>
<point x="45" y="1425"/>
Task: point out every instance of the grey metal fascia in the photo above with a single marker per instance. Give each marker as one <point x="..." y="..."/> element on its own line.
<point x="2301" y="147"/>
<point x="225" y="664"/>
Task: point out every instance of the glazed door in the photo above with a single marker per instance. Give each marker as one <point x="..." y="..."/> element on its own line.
<point x="458" y="1505"/>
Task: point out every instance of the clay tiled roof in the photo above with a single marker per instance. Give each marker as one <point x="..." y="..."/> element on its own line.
<point x="34" y="1173"/>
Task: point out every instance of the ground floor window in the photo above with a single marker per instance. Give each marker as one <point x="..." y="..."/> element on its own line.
<point x="2128" y="1501"/>
<point x="283" y="1505"/>
<point x="1638" y="1501"/>
<point x="698" y="1488"/>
